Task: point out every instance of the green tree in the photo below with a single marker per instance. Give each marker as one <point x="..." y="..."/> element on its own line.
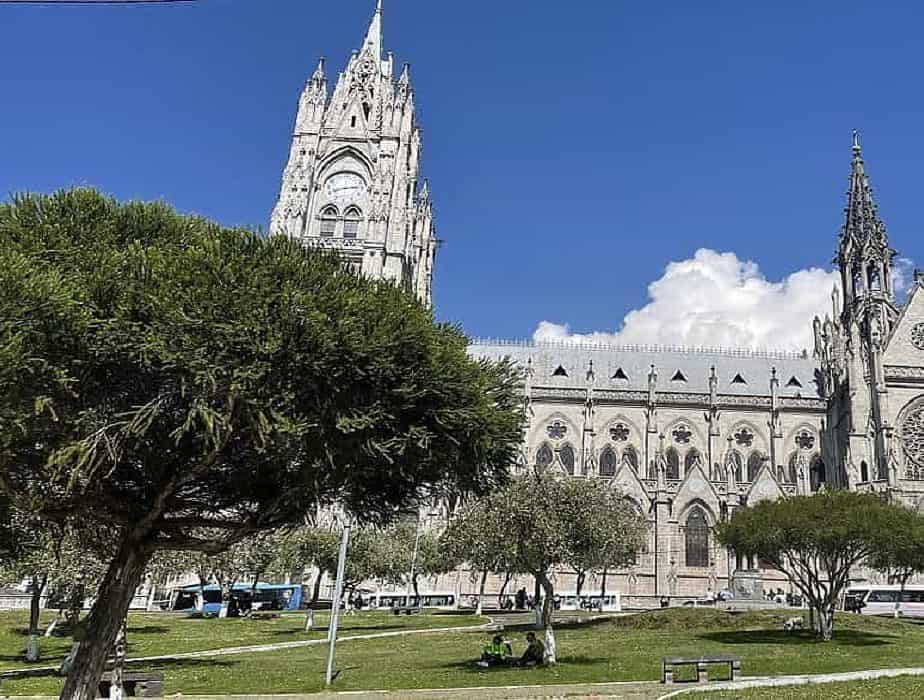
<point x="189" y="385"/>
<point x="412" y="550"/>
<point x="55" y="559"/>
<point x="816" y="541"/>
<point x="541" y="522"/>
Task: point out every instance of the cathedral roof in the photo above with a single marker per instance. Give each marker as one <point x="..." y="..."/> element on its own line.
<point x="740" y="372"/>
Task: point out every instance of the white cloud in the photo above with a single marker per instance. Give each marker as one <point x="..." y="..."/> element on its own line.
<point x="716" y="300"/>
<point x="902" y="277"/>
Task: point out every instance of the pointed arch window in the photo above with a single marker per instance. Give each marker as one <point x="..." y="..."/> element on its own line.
<point x="566" y="455"/>
<point x="697" y="539"/>
<point x="755" y="462"/>
<point x="329" y="222"/>
<point x="544" y="456"/>
<point x="793" y="469"/>
<point x="673" y="463"/>
<point x="817" y="474"/>
<point x="692" y="457"/>
<point x="351" y="221"/>
<point x="608" y="462"/>
<point x="736" y="462"/>
<point x="630" y="457"/>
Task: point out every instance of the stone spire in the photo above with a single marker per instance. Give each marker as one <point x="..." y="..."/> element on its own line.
<point x="373" y="41"/>
<point x="863" y="255"/>
<point x="863" y="226"/>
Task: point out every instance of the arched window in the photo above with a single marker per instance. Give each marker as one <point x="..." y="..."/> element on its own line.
<point x="608" y="462"/>
<point x="329" y="222"/>
<point x="630" y="457"/>
<point x="566" y="455"/>
<point x="544" y="456"/>
<point x="697" y="539"/>
<point x="351" y="222"/>
<point x="817" y="473"/>
<point x="794" y="469"/>
<point x="673" y="463"/>
<point x="864" y="472"/>
<point x="755" y="462"/>
<point x="736" y="462"/>
<point x="690" y="460"/>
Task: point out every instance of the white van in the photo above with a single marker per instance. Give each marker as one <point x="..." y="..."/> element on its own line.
<point x="882" y="600"/>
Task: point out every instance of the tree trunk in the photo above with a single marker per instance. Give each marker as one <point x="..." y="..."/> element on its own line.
<point x="112" y="602"/>
<point x="416" y="590"/>
<point x="117" y="689"/>
<point x="500" y="596"/>
<point x="315" y="594"/>
<point x="581" y="577"/>
<point x="603" y="586"/>
<point x="54" y="623"/>
<point x="35" y="612"/>
<point x="226" y="590"/>
<point x="484" y="578"/>
<point x="826" y="624"/>
<point x="548" y="611"/>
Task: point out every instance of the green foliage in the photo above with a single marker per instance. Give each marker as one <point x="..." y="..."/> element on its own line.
<point x="159" y="369"/>
<point x="540" y="522"/>
<point x="187" y="386"/>
<point x="817" y="540"/>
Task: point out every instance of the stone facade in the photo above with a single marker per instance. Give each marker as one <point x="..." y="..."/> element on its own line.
<point x="352" y="182"/>
<point x="689" y="435"/>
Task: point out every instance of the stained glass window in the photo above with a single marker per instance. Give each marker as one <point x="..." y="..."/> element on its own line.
<point x="697" y="539"/>
<point x="566" y="455"/>
<point x="608" y="462"/>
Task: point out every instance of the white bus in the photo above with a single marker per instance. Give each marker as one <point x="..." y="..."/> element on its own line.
<point x="594" y="602"/>
<point x="883" y="600"/>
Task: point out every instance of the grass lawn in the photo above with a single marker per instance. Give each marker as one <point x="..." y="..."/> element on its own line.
<point x="903" y="688"/>
<point x="155" y="635"/>
<point x="621" y="649"/>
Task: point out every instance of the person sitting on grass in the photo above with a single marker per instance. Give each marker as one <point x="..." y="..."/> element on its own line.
<point x="497" y="653"/>
<point x="534" y="654"/>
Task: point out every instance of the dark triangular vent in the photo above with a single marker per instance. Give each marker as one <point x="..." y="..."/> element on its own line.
<point x="678" y="377"/>
<point x="739" y="380"/>
<point x="560" y="372"/>
<point x="794" y="382"/>
<point x="620" y="374"/>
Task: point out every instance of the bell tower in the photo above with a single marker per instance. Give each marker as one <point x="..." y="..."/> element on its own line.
<point x="352" y="183"/>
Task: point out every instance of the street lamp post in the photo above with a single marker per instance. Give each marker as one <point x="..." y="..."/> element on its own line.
<point x="335" y="609"/>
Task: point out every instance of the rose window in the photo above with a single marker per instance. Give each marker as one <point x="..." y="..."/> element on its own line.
<point x="744" y="437"/>
<point x="682" y="435"/>
<point x="557" y="430"/>
<point x="619" y="432"/>
<point x="917" y="336"/>
<point x="805" y="440"/>
<point x="913" y="436"/>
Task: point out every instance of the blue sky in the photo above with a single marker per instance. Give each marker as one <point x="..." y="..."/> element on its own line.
<point x="574" y="149"/>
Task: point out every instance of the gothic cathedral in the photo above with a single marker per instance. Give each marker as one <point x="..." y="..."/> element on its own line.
<point x="687" y="434"/>
<point x="352" y="180"/>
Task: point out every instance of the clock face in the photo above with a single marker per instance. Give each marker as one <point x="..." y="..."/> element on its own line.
<point x="345" y="187"/>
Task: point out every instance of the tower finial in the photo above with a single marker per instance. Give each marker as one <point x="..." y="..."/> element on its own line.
<point x="856" y="140"/>
<point x="378" y="6"/>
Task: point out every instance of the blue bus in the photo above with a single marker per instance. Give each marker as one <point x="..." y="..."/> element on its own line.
<point x="267" y="597"/>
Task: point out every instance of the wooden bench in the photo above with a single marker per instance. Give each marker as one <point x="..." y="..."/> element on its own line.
<point x="138" y="685"/>
<point x="670" y="662"/>
<point x="407" y="610"/>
